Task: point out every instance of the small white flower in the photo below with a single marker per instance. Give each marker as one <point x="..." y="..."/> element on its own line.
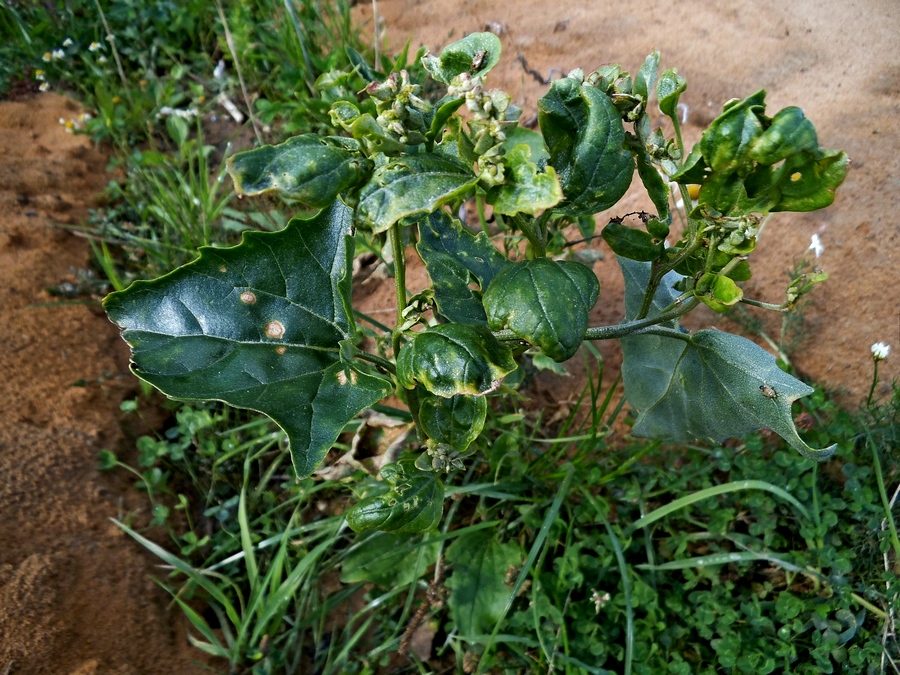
<point x="110" y="37"/>
<point x="187" y="113"/>
<point x="57" y="54"/>
<point x="68" y="42"/>
<point x="196" y="201"/>
<point x="815" y="245"/>
<point x="39" y="75"/>
<point x="47" y="56"/>
<point x="95" y="47"/>
<point x="219" y="71"/>
<point x="101" y="59"/>
<point x="44" y="86"/>
<point x="599" y="600"/>
<point x="880" y="351"/>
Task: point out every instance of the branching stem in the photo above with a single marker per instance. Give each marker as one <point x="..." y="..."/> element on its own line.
<point x="625" y="329"/>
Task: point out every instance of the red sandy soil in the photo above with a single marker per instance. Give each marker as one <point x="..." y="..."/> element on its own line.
<point x="76" y="595"/>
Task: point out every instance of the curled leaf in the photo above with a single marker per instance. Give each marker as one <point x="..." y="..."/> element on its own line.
<point x="544" y="302"/>
<point x="409" y="186"/>
<point x="455" y="421"/>
<point x="586" y="140"/>
<point x="669" y="89"/>
<point x="527" y="190"/>
<point x="632" y="243"/>
<point x="413" y="503"/>
<point x="454" y="358"/>
<point x="312" y="169"/>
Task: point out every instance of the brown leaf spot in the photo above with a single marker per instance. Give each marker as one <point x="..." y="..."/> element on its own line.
<point x="248" y="298"/>
<point x="275" y="330"/>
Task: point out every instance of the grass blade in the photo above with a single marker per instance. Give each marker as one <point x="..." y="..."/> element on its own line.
<point x="687" y="500"/>
<point x="193" y="574"/>
<point x="532" y="556"/>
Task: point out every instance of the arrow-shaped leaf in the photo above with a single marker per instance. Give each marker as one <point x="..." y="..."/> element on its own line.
<point x="710" y="385"/>
<point x="258" y="326"/>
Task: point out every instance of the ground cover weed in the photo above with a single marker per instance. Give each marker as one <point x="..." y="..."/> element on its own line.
<point x="562" y="553"/>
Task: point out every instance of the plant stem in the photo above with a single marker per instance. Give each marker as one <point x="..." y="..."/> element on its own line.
<point x="888" y="514"/>
<point x="481" y="219"/>
<point x="377" y="360"/>
<point x="622" y="329"/>
<point x="229" y="40"/>
<point x="880" y="613"/>
<point x="658" y="270"/>
<point x="399" y="280"/>
<point x="874" y="384"/>
<point x="783" y="307"/>
<point x="115" y="52"/>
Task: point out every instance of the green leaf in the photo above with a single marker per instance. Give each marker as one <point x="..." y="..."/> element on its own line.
<point x="527" y="190"/>
<point x="442" y="111"/>
<point x="710" y="385"/>
<point x="364" y="128"/>
<point x="414" y="503"/>
<point x="476" y="54"/>
<point x="808" y="183"/>
<point x="586" y="140"/>
<point x="632" y="243"/>
<point x="456" y="421"/>
<point x="454" y="256"/>
<point x="387" y="560"/>
<point x="411" y="186"/>
<point x="258" y="326"/>
<point x="309" y="168"/>
<point x="533" y="139"/>
<point x="668" y="90"/>
<point x="544" y="302"/>
<point x="718" y="292"/>
<point x="478" y="589"/>
<point x="646" y="77"/>
<point x="454" y="358"/>
<point x="788" y="134"/>
<point x="656" y="187"/>
<point x="726" y="144"/>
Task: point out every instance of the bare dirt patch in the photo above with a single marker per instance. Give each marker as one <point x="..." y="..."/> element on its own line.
<point x="75" y="594"/>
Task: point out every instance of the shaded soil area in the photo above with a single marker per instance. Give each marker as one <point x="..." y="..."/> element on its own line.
<point x="76" y="596"/>
<point x="807" y="53"/>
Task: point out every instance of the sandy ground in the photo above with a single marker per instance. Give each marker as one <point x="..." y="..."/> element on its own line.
<point x="76" y="596"/>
